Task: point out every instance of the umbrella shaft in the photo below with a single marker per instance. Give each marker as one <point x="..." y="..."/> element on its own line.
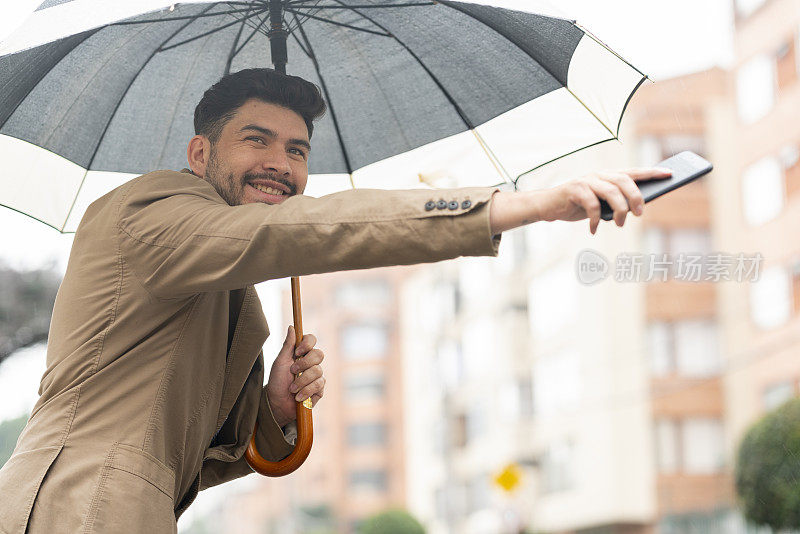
<point x="277" y="36"/>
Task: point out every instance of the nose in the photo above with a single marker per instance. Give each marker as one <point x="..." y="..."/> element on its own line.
<point x="277" y="160"/>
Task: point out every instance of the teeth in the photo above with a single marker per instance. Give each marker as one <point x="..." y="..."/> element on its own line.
<point x="268" y="190"/>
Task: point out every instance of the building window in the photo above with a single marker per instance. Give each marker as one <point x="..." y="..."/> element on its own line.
<point x="371" y="480"/>
<point x="776" y="394"/>
<point x="557" y="467"/>
<point x="795" y="271"/>
<point x="744" y="8"/>
<point x="696" y="348"/>
<point x="458" y="431"/>
<point x="366" y="434"/>
<point x="702" y="445"/>
<point x="450" y="359"/>
<point x="689" y="241"/>
<point x="364" y="386"/>
<point x="653" y="149"/>
<point x="755" y="88"/>
<point x="762" y="191"/>
<point x="770" y="302"/>
<point x="789" y="157"/>
<point x="691" y="445"/>
<point x="365" y="341"/>
<point x="667" y="446"/>
<point x="786" y="64"/>
<point x="556" y="285"/>
<point x="558" y="383"/>
<point x="687" y="348"/>
<point x="525" y="396"/>
<point x="357" y="294"/>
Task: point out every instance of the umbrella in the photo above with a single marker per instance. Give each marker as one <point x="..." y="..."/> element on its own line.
<point x="442" y="89"/>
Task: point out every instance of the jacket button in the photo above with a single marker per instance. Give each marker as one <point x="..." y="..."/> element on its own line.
<point x="429" y="205"/>
<point x="453" y="205"/>
<point x="442" y="204"/>
<point x="466" y="204"/>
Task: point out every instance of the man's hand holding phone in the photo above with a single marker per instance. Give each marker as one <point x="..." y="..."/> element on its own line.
<point x="574" y="200"/>
<point x="605" y="194"/>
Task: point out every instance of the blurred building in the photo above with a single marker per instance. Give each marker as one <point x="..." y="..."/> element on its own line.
<point x="759" y="209"/>
<point x="357" y="464"/>
<point x="610" y="397"/>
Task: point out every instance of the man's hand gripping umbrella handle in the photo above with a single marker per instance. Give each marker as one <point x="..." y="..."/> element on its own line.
<point x="305" y="428"/>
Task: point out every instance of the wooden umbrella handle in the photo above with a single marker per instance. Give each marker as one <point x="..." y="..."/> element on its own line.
<point x="305" y="428"/>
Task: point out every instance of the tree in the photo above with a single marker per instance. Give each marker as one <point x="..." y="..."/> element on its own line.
<point x="26" y="304"/>
<point x="768" y="469"/>
<point x="393" y="521"/>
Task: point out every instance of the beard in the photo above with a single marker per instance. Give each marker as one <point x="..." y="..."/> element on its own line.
<point x="231" y="188"/>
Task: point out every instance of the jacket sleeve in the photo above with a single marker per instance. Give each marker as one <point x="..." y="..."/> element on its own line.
<point x="181" y="238"/>
<point x="225" y="460"/>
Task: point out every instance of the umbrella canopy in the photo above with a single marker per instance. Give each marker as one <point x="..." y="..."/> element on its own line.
<point x="456" y="94"/>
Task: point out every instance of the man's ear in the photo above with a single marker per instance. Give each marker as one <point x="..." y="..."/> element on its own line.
<point x="197" y="153"/>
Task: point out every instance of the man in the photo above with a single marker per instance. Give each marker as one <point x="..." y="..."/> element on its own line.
<point x="154" y="377"/>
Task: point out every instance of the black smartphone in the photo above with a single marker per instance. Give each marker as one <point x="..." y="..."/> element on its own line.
<point x="686" y="167"/>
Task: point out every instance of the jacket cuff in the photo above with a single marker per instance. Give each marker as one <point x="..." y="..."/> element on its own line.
<point x="271" y="441"/>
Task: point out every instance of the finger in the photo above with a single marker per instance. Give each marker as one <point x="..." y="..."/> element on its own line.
<point x="591" y="205"/>
<point x="316" y="387"/>
<point x="314" y="357"/>
<point x="306" y="344"/>
<point x="315" y="398"/>
<point x="305" y="378"/>
<point x="647" y="173"/>
<point x="611" y="194"/>
<point x="630" y="190"/>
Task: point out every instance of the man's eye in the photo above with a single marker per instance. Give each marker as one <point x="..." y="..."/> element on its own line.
<point x="299" y="152"/>
<point x="254" y="138"/>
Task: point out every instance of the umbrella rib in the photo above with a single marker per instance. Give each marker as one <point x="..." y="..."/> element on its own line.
<point x="313" y="58"/>
<point x="215" y="30"/>
<point x="233" y="48"/>
<point x="370" y="6"/>
<point x="127" y="22"/>
<point x="337" y="23"/>
<point x="459" y="111"/>
<point x="250" y="23"/>
<point x="255" y="30"/>
<point x="495" y="161"/>
<point x="116" y="108"/>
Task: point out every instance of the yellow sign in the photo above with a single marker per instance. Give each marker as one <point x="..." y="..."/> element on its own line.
<point x="509" y="477"/>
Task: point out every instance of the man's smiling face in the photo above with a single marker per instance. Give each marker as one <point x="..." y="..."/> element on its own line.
<point x="260" y="156"/>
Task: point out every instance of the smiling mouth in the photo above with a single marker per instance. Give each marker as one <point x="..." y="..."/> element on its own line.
<point x="267" y="190"/>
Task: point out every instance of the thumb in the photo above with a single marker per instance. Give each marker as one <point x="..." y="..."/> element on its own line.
<point x="288" y="343"/>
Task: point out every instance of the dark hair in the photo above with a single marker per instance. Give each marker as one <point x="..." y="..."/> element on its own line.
<point x="221" y="100"/>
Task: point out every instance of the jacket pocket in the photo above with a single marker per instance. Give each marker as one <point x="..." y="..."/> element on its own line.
<point x="134" y="494"/>
<point x="20" y="479"/>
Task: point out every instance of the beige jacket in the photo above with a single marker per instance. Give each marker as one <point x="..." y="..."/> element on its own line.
<point x="155" y="369"/>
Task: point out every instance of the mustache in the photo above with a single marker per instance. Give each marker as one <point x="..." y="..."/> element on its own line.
<point x="270" y="176"/>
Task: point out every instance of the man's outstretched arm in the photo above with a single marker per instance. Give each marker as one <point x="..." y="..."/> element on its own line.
<point x="574" y="200"/>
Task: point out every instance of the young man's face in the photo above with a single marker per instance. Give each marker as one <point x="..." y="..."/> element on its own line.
<point x="260" y="156"/>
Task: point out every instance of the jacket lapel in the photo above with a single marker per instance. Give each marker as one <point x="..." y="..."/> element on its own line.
<point x="249" y="335"/>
